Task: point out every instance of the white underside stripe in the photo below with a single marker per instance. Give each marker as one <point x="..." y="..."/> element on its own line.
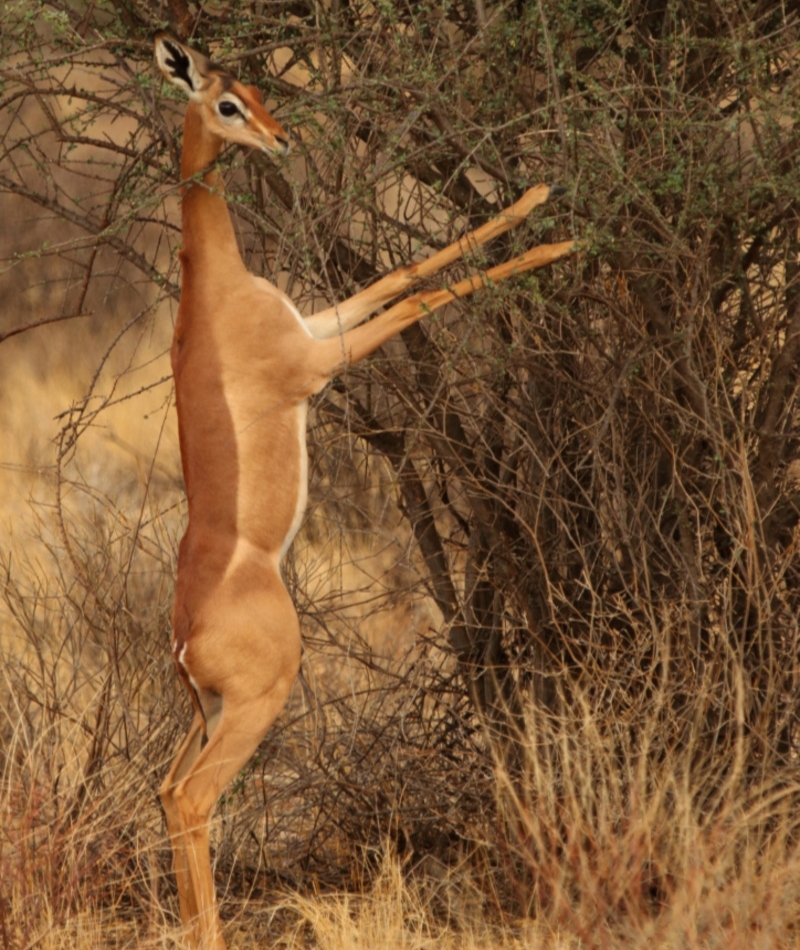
<point x="302" y="488"/>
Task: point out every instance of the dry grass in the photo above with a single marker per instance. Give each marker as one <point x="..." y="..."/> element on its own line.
<point x="607" y="836"/>
<point x="610" y="851"/>
<point x="610" y="838"/>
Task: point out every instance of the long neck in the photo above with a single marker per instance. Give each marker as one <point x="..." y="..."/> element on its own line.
<point x="208" y="235"/>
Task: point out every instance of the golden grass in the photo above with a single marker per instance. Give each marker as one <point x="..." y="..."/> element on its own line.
<point x="390" y="917"/>
<point x="601" y="845"/>
<point x="734" y="895"/>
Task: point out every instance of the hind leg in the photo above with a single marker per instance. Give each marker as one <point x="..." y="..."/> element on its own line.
<point x="241" y="672"/>
<point x="184" y="759"/>
<point x="241" y="727"/>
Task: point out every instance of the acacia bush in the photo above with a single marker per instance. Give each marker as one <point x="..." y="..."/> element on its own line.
<point x="549" y="577"/>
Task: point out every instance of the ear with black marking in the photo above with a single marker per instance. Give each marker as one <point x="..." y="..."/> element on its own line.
<point x="184" y="67"/>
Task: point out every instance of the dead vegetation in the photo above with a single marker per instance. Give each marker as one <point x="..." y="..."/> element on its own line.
<point x="549" y="575"/>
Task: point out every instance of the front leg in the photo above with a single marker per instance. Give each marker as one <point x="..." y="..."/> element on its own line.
<point x="328" y="357"/>
<point x="344" y="316"/>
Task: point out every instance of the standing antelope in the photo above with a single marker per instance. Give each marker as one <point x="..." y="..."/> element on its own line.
<point x="245" y="363"/>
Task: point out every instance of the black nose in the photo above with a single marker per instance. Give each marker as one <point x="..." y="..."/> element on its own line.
<point x="283" y="144"/>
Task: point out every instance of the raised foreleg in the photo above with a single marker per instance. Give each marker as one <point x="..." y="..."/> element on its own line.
<point x="348" y="314"/>
<point x="330" y="356"/>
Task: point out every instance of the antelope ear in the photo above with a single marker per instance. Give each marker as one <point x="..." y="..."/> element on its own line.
<point x="184" y="67"/>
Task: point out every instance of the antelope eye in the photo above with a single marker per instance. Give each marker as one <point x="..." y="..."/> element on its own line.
<point x="228" y="109"/>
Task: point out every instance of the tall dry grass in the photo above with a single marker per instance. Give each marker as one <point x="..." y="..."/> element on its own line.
<point x="375" y="813"/>
<point x="600" y="840"/>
